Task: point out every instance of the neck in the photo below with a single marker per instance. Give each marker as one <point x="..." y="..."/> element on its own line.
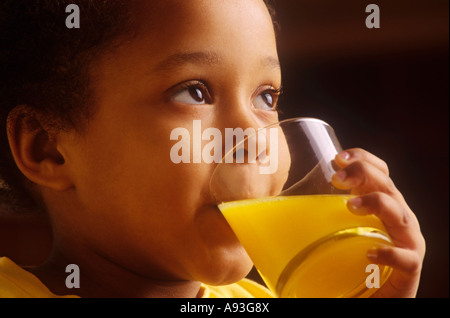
<point x="100" y="277"/>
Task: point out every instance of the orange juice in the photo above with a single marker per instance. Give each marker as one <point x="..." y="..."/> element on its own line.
<point x="308" y="246"/>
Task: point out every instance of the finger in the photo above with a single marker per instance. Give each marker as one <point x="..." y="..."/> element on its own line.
<point x="400" y="222"/>
<point x="407" y="266"/>
<point x="392" y="213"/>
<point x="363" y="177"/>
<point x="349" y="156"/>
<point x="404" y="260"/>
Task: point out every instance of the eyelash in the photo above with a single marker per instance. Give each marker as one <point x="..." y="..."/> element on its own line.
<point x="275" y="93"/>
<point x="180" y="88"/>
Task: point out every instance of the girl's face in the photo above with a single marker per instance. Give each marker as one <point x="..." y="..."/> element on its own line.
<point x="213" y="61"/>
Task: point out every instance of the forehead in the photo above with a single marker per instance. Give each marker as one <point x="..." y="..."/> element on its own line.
<point x="226" y="37"/>
<point x="182" y="24"/>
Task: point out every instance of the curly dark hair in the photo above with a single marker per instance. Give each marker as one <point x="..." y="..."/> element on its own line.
<point x="44" y="65"/>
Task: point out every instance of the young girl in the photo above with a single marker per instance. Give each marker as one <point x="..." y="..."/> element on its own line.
<point x="86" y="117"/>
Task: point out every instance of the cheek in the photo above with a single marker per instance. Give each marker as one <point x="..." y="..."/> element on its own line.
<point x="142" y="179"/>
<point x="134" y="201"/>
<point x="137" y="202"/>
<point x="131" y="183"/>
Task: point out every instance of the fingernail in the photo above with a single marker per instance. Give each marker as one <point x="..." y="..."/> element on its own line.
<point x="372" y="253"/>
<point x="341" y="175"/>
<point x="355" y="205"/>
<point x="344" y="156"/>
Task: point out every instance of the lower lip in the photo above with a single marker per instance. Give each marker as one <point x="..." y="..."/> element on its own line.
<point x="215" y="223"/>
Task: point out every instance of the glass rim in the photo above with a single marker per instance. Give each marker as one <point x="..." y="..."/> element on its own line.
<point x="280" y="123"/>
<point x="298" y="119"/>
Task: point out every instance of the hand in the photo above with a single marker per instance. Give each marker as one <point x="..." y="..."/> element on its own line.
<point x="368" y="177"/>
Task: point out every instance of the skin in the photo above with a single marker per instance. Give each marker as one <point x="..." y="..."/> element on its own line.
<point x="368" y="176"/>
<point x="139" y="225"/>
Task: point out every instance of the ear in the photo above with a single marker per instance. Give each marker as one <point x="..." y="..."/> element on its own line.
<point x="35" y="150"/>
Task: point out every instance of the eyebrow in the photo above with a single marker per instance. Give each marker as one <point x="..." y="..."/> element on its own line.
<point x="203" y="58"/>
<point x="272" y="62"/>
<point x="180" y="59"/>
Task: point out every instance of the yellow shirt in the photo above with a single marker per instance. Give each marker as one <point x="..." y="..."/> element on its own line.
<point x="16" y="282"/>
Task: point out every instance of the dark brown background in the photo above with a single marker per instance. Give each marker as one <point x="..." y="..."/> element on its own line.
<point x="384" y="90"/>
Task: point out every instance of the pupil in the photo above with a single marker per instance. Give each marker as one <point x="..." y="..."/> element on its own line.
<point x="196" y="94"/>
<point x="269" y="99"/>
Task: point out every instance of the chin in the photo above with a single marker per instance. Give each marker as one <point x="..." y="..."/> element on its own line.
<point x="221" y="260"/>
<point x="225" y="270"/>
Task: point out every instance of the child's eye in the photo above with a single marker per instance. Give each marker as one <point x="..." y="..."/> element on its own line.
<point x="192" y="93"/>
<point x="267" y="100"/>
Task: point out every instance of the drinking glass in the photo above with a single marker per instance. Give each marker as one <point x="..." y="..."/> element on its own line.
<point x="274" y="189"/>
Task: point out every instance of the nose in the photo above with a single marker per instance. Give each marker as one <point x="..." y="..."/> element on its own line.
<point x="250" y="152"/>
<point x="237" y="112"/>
<point x="239" y="123"/>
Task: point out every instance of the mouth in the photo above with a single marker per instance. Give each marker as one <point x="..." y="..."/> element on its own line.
<point x="215" y="209"/>
<point x="215" y="227"/>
